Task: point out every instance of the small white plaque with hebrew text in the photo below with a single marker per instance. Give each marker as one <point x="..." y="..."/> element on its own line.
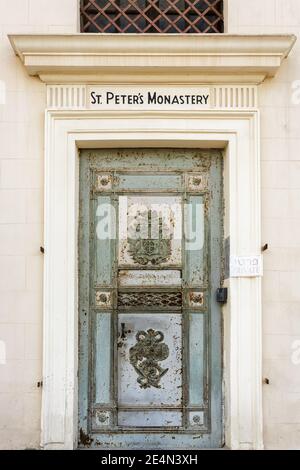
<point x="246" y="266"/>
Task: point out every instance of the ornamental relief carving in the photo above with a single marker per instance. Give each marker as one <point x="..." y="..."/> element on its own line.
<point x="145" y="356"/>
<point x="150" y="299"/>
<point x="149" y="250"/>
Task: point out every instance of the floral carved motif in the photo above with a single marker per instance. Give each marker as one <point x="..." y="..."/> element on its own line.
<point x="145" y="356"/>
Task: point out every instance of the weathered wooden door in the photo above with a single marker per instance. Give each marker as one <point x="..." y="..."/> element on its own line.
<point x="150" y="256"/>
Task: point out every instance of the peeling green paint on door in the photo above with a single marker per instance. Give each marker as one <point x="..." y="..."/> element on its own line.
<point x="150" y="261"/>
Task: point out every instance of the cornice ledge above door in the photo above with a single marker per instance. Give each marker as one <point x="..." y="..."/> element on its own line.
<point x="152" y="58"/>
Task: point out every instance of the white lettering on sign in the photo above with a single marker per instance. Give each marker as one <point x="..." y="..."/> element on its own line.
<point x="148" y="98"/>
<point x="245" y="266"/>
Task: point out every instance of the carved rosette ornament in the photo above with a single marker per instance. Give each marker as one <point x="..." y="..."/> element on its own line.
<point x="197" y="182"/>
<point x="104" y="182"/>
<point x="196" y="299"/>
<point x="103" y="299"/>
<point x="145" y="356"/>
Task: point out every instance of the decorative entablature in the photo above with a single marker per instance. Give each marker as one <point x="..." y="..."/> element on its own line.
<point x="204" y="71"/>
<point x="79" y="97"/>
<point x="156" y="59"/>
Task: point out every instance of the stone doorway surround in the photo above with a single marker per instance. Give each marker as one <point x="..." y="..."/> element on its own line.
<point x="232" y="66"/>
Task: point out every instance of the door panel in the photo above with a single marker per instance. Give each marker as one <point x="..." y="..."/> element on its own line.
<point x="150" y="278"/>
<point x="150" y="329"/>
<point x="163" y="182"/>
<point x="196" y="234"/>
<point x="196" y="359"/>
<point x="145" y="383"/>
<point x="102" y="360"/>
<point x="147" y="221"/>
<point x="104" y="244"/>
<point x="152" y="419"/>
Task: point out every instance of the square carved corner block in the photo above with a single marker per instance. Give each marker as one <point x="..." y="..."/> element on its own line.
<point x="101" y="419"/>
<point x="104" y="182"/>
<point x="197" y="419"/>
<point x="197" y="182"/>
<point x="196" y="299"/>
<point x="103" y="299"/>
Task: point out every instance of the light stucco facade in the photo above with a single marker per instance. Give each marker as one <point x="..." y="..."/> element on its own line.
<point x="22" y="120"/>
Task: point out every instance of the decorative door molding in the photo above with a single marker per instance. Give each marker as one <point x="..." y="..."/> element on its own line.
<point x="237" y="132"/>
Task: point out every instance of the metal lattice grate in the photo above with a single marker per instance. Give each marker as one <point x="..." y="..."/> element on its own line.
<point x="152" y="16"/>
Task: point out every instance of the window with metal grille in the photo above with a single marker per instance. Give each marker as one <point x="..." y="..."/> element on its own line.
<point x="152" y="16"/>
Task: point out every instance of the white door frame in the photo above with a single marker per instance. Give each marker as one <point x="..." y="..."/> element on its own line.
<point x="235" y="131"/>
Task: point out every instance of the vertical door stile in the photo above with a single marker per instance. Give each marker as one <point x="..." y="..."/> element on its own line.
<point x="185" y="333"/>
<point x="115" y="312"/>
<point x="207" y="319"/>
<point x="92" y="272"/>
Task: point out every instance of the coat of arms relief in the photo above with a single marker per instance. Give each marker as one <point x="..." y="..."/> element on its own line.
<point x="148" y="245"/>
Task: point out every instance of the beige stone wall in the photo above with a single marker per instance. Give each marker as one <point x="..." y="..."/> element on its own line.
<point x="280" y="140"/>
<point x="21" y="219"/>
